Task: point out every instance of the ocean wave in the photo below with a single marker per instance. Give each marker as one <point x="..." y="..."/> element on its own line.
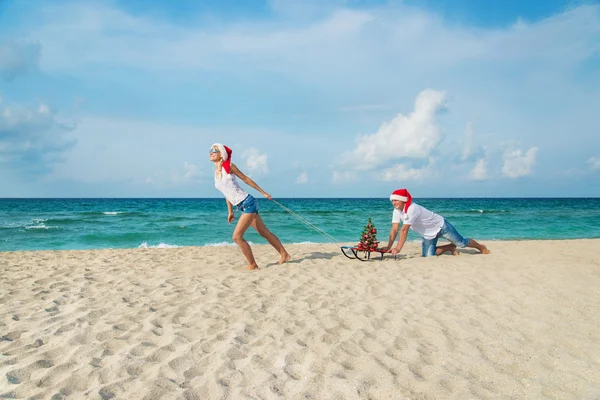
<point x="176" y="218"/>
<point x="42" y="226"/>
<point x="63" y="221"/>
<point x="101" y="213"/>
<point x="12" y="225"/>
<point x="35" y="223"/>
<point x="161" y="245"/>
<point x="38" y="223"/>
<point x="223" y="244"/>
<point x="491" y="211"/>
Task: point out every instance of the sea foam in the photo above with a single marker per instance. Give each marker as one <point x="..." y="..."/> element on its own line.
<point x="145" y="245"/>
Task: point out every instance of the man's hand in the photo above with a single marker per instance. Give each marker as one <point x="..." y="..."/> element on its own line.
<point x="268" y="196"/>
<point x="230" y="217"/>
<point x="395" y="252"/>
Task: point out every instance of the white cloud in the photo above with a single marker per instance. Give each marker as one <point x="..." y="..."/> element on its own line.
<point x="118" y="148"/>
<point x="191" y="171"/>
<point x="343" y="42"/>
<point x="304" y="8"/>
<point x="18" y="57"/>
<point x="32" y="138"/>
<point x="402" y="172"/>
<point x="188" y="173"/>
<point x="470" y="147"/>
<point x="159" y="44"/>
<point x="256" y="162"/>
<point x="479" y="172"/>
<point x="472" y="151"/>
<point x="594" y="163"/>
<point x="302" y="178"/>
<point x="343" y="176"/>
<point x="376" y="54"/>
<point x="501" y="78"/>
<point x="110" y="149"/>
<point x="414" y="135"/>
<point x="517" y="164"/>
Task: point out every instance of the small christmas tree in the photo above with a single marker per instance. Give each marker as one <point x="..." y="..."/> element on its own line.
<point x="368" y="239"/>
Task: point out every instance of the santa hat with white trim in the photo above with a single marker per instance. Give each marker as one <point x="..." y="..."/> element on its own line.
<point x="225" y="155"/>
<point x="402" y="195"/>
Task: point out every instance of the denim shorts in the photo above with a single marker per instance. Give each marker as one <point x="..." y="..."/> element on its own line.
<point x="248" y="206"/>
<point x="449" y="233"/>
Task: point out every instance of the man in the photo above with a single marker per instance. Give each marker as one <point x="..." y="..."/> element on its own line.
<point x="429" y="225"/>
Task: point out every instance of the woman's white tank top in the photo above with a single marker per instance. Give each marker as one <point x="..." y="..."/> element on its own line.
<point x="230" y="188"/>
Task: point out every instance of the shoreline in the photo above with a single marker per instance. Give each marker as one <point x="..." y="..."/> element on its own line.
<point x="191" y="323"/>
<point x="409" y="243"/>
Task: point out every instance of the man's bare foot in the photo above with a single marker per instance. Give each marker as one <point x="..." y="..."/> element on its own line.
<point x="252" y="266"/>
<point x="284" y="257"/>
<point x="485" y="250"/>
<point x="454" y="252"/>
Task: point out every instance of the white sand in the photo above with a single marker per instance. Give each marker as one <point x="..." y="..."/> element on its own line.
<point x="190" y="323"/>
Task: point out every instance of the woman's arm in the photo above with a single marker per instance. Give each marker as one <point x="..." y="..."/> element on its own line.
<point x="230" y="215"/>
<point x="235" y="170"/>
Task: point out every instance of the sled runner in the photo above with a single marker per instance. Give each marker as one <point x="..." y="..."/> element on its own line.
<point x="353" y="252"/>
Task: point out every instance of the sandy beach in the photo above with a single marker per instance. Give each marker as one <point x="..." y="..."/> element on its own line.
<point x="190" y="323"/>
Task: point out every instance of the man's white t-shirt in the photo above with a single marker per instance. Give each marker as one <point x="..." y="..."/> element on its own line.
<point x="426" y="223"/>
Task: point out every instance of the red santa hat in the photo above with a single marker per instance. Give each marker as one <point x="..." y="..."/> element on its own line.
<point x="225" y="155"/>
<point x="402" y="195"/>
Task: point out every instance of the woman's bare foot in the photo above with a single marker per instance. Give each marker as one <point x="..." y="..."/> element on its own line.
<point x="252" y="266"/>
<point x="484" y="249"/>
<point x="284" y="257"/>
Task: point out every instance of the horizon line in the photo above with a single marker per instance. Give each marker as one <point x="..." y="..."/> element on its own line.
<point x="289" y="198"/>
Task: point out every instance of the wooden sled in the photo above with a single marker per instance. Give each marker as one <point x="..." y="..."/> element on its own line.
<point x="366" y="256"/>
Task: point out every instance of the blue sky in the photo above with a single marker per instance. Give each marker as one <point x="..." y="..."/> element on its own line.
<point x="316" y="98"/>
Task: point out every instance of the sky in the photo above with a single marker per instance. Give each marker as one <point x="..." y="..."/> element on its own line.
<point x="317" y="98"/>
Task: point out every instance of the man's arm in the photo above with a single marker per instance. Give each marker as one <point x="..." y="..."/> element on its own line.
<point x="402" y="240"/>
<point x="393" y="233"/>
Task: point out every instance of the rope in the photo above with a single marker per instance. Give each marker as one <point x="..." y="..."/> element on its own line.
<point x="308" y="223"/>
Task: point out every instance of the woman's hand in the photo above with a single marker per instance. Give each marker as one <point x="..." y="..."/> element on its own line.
<point x="230" y="217"/>
<point x="267" y="195"/>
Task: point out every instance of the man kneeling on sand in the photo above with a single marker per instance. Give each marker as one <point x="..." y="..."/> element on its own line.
<point x="429" y="225"/>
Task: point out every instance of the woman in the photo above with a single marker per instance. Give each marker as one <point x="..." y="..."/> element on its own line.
<point x="225" y="181"/>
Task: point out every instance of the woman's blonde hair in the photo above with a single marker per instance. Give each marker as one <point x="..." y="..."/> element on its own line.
<point x="219" y="168"/>
<point x="225" y="162"/>
<point x="219" y="164"/>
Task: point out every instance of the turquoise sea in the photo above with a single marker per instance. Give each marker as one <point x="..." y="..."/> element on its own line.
<point x="51" y="224"/>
